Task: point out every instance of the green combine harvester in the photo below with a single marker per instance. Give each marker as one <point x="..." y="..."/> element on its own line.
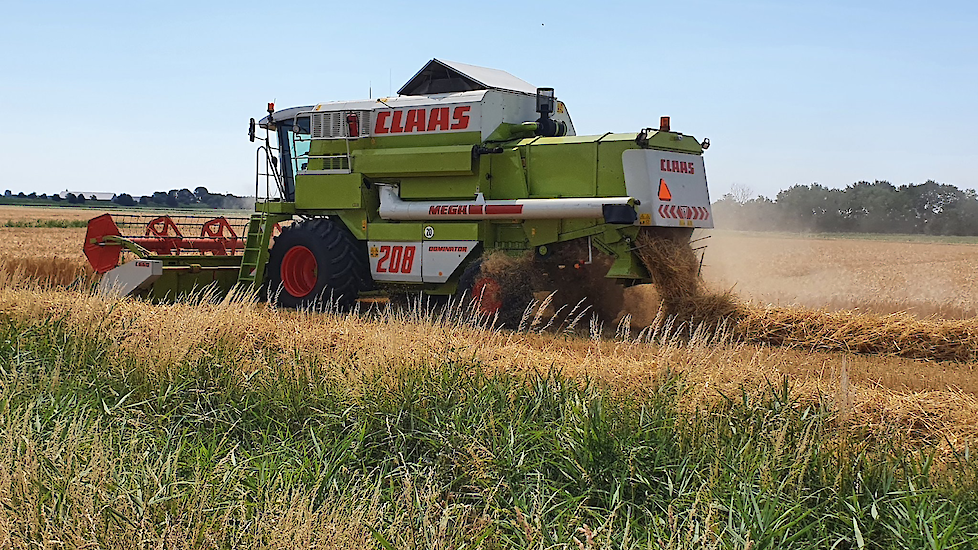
<point x="411" y="193"/>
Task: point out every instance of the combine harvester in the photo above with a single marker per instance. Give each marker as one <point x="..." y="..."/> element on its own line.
<point x="410" y="193"/>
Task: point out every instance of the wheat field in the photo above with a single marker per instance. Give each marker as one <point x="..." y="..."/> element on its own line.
<point x="879" y="276"/>
<point x="256" y="391"/>
<point x="10" y="213"/>
<point x="825" y="274"/>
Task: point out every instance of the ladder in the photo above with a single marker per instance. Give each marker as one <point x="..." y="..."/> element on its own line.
<point x="255" y="258"/>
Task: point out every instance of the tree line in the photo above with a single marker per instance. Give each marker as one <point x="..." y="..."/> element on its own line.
<point x="174" y="198"/>
<point x="929" y="208"/>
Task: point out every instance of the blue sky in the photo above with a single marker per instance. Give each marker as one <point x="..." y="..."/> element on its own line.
<point x="143" y="96"/>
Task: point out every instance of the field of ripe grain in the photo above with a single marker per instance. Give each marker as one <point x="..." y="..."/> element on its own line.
<point x="9" y="213"/>
<point x="924" y="277"/>
<point x="938" y="278"/>
<point x="229" y="423"/>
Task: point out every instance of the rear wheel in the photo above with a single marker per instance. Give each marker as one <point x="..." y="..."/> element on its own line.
<point x="502" y="292"/>
<point x="317" y="261"/>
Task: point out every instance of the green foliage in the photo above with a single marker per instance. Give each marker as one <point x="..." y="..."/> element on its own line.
<point x="46" y="223"/>
<point x="929" y="208"/>
<point x="124" y="199"/>
<point x="448" y="456"/>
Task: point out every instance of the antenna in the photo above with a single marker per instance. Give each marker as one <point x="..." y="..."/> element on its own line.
<point x="370" y="90"/>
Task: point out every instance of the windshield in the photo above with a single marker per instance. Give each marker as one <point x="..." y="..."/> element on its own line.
<point x="299" y="144"/>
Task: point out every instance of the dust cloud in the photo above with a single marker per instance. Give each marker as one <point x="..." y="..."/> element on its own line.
<point x="925" y="279"/>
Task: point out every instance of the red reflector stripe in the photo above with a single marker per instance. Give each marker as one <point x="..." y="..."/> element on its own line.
<point x="504" y="209"/>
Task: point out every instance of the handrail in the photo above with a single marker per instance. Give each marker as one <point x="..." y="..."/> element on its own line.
<point x="274" y="173"/>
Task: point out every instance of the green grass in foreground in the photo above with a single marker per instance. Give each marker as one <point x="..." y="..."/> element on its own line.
<point x="101" y="448"/>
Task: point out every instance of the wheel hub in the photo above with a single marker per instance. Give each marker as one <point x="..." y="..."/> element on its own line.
<point x="488" y="295"/>
<point x="299" y="271"/>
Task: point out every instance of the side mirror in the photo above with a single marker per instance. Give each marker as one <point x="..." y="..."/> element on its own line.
<point x="251" y="130"/>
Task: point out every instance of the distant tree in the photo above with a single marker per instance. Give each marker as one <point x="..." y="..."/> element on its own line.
<point x="758" y="213"/>
<point x="21" y="195"/>
<point x="145" y="200"/>
<point x="7" y="193"/>
<point x="202" y="194"/>
<point x="185" y="196"/>
<point x="56" y="197"/>
<point x="71" y="198"/>
<point x="171" y="199"/>
<point x="159" y="197"/>
<point x="930" y="203"/>
<point x="32" y="195"/>
<point x="865" y="207"/>
<point x="813" y="207"/>
<point x="43" y="196"/>
<point x="124" y="199"/>
<point x="80" y="198"/>
<point x="965" y="219"/>
<point x="741" y="192"/>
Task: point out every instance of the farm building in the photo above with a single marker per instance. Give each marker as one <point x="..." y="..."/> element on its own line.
<point x="96" y="195"/>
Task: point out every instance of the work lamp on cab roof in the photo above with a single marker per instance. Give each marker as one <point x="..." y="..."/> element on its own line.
<point x="545" y="101"/>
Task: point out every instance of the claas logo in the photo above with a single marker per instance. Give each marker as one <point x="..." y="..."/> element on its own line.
<point x="679" y="166"/>
<point x="411" y="121"/>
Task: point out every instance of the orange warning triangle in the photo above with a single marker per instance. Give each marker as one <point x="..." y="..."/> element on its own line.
<point x="664" y="193"/>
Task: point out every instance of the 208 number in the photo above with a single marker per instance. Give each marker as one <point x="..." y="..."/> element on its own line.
<point x="396" y="259"/>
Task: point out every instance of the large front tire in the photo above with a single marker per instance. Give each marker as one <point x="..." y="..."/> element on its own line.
<point x="317" y="261"/>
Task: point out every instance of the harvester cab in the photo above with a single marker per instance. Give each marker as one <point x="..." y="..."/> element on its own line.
<point x="411" y="192"/>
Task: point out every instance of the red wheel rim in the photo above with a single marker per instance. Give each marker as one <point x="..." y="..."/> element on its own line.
<point x="488" y="294"/>
<point x="299" y="271"/>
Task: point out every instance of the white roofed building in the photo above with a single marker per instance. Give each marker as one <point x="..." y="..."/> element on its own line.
<point x="99" y="196"/>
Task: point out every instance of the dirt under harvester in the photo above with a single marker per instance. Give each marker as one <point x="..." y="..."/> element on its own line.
<point x="576" y="277"/>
